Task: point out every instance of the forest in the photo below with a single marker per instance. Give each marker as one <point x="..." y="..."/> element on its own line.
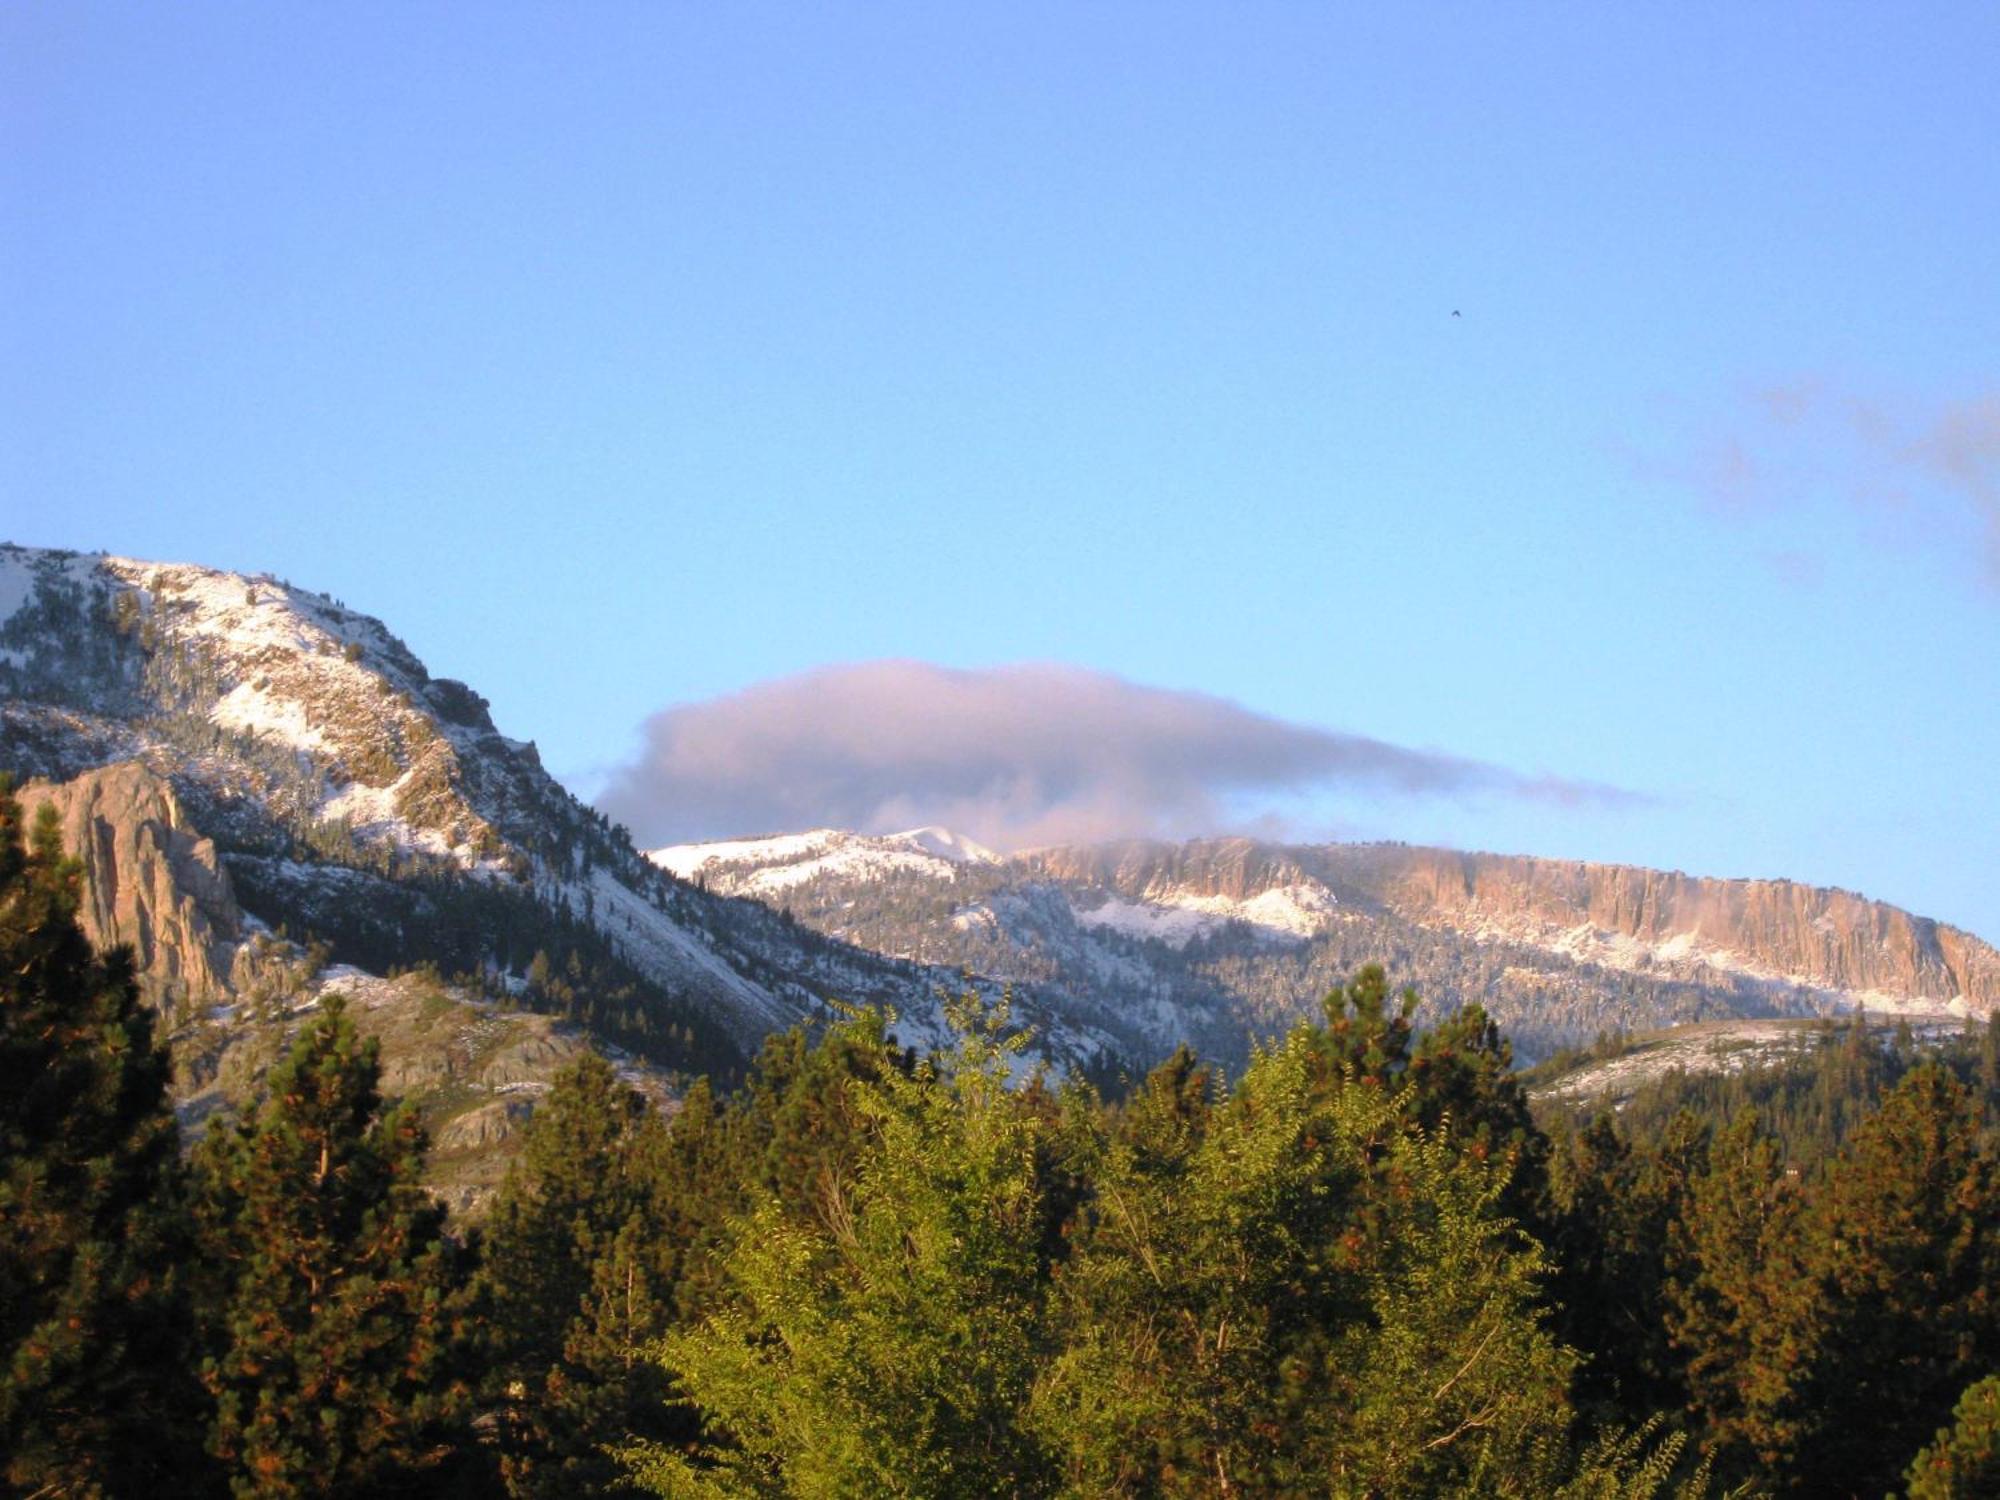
<point x="1363" y="1265"/>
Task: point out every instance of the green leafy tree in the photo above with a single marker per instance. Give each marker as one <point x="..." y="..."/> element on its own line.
<point x="94" y="1334"/>
<point x="338" y="1317"/>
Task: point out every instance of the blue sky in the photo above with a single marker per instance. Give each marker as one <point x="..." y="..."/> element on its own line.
<point x="630" y="357"/>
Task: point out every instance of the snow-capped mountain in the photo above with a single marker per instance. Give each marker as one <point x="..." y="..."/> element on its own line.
<point x="346" y="797"/>
<point x="1223" y="940"/>
<point x="302" y="789"/>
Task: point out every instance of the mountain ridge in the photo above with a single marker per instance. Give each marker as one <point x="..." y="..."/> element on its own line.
<point x="1213" y="919"/>
<point x="349" y="796"/>
<point x="272" y="798"/>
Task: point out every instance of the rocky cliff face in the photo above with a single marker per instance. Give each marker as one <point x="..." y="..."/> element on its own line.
<point x="232" y="995"/>
<point x="1624" y="916"/>
<point x="1232" y="869"/>
<point x="151" y="882"/>
<point x="1225" y="940"/>
<point x="1618" y="916"/>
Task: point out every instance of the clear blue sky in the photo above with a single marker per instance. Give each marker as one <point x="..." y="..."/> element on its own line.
<point x="624" y="356"/>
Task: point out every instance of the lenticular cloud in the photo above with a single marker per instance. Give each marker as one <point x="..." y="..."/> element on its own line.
<point x="1014" y="756"/>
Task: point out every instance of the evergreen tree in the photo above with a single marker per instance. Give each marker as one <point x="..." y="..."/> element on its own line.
<point x="1311" y="1297"/>
<point x="1167" y="1115"/>
<point x="1989" y="1065"/>
<point x="1614" y="1205"/>
<point x="1906" y="1261"/>
<point x="1456" y="1077"/>
<point x="1739" y="1301"/>
<point x="339" y="1323"/>
<point x="579" y="1273"/>
<point x="94" y="1335"/>
<point x="794" y="1135"/>
<point x="1963" y="1462"/>
<point x="886" y="1343"/>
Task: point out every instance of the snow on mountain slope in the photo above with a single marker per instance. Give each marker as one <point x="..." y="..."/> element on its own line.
<point x="356" y="797"/>
<point x="1284" y="913"/>
<point x="1230" y="939"/>
<point x="766" y="866"/>
<point x="1775" y="937"/>
<point x="1706" y="1047"/>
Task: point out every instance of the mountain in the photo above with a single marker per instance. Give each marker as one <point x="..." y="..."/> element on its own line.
<point x="1223" y="940"/>
<point x="272" y="795"/>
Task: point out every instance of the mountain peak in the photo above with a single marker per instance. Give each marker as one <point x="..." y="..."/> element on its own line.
<point x="945" y="844"/>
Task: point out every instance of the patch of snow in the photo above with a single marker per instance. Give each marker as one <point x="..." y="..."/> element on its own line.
<point x="361" y="807"/>
<point x="662" y="946"/>
<point x="690" y="860"/>
<point x="17" y="583"/>
<point x="1704" y="1047"/>
<point x="1287" y="913"/>
<point x="22" y="568"/>
<point x="770" y="866"/>
<point x="1687" y="955"/>
<point x="249" y="708"/>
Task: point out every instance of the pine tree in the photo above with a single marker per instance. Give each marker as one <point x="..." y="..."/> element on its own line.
<point x="1907" y="1262"/>
<point x="1740" y="1305"/>
<point x="338" y="1331"/>
<point x="1167" y="1115"/>
<point x="580" y="1272"/>
<point x="1614" y="1205"/>
<point x="884" y="1342"/>
<point x="1963" y="1461"/>
<point x="1989" y="1065"/>
<point x="94" y="1349"/>
<point x="1456" y="1077"/>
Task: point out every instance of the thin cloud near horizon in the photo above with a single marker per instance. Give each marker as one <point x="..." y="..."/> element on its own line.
<point x="1015" y="757"/>
<point x="1931" y="469"/>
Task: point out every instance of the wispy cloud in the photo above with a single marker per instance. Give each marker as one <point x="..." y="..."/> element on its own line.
<point x="1962" y="449"/>
<point x="1931" y="472"/>
<point x="1015" y="756"/>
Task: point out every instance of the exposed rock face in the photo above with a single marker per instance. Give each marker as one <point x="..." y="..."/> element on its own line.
<point x="1236" y="869"/>
<point x="150" y="881"/>
<point x="233" y="998"/>
<point x="1831" y="939"/>
<point x="355" y="797"/>
<point x="1619" y="916"/>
